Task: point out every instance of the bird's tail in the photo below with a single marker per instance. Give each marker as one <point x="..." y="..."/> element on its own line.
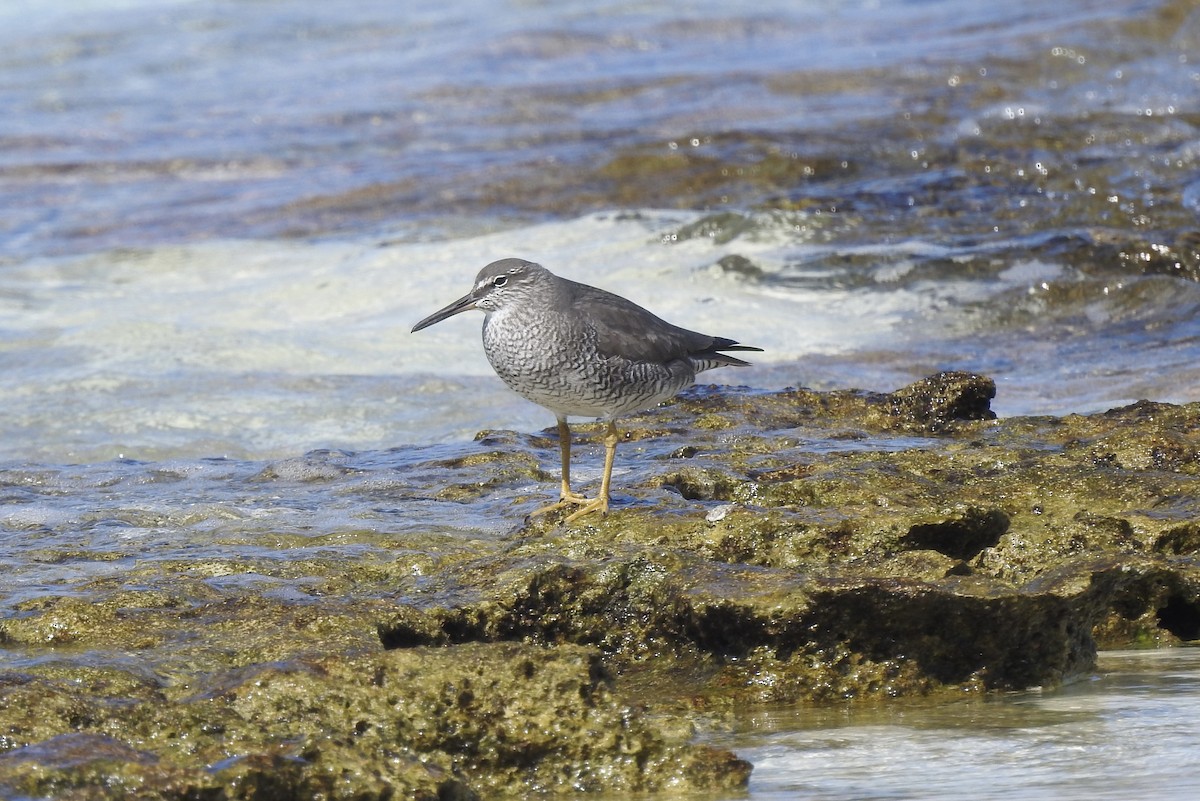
<point x="712" y="356"/>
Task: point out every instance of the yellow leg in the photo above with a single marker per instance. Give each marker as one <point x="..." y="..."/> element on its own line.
<point x="564" y="450"/>
<point x="600" y="503"/>
<point x="568" y="498"/>
<point x="565" y="496"/>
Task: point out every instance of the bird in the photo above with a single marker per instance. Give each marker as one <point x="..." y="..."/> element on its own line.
<point x="580" y="351"/>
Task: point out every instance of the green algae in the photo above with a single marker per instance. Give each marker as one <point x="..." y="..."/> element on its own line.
<point x="765" y="548"/>
<point x="411" y="723"/>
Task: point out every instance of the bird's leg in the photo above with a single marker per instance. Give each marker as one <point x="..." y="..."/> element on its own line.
<point x="565" y="497"/>
<point x="568" y="498"/>
<point x="600" y="502"/>
<point x="564" y="448"/>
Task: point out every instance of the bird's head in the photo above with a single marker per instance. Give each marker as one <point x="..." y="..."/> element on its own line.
<point x="497" y="285"/>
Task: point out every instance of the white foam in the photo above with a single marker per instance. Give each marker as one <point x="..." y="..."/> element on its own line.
<point x="270" y="349"/>
<point x="255" y="348"/>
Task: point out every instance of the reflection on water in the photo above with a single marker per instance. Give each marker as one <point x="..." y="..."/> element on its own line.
<point x="1129" y="731"/>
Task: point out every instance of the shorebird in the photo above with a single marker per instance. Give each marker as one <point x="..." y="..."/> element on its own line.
<point x="580" y="351"/>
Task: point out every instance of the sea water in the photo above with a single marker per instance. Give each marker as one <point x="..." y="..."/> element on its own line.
<point x="221" y="220"/>
<point x="1128" y="731"/>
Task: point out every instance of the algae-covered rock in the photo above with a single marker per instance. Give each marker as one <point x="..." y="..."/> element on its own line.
<point x="985" y="554"/>
<point x="788" y="547"/>
<point x="914" y="634"/>
<point x="465" y="722"/>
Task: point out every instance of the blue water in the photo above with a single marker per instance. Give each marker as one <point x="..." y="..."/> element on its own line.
<point x="129" y="123"/>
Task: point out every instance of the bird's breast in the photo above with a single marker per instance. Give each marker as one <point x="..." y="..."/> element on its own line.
<point x="551" y="360"/>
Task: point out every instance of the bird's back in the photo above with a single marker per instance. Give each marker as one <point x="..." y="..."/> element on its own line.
<point x="581" y="351"/>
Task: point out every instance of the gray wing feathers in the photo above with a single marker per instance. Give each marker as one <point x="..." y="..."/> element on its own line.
<point x="625" y="329"/>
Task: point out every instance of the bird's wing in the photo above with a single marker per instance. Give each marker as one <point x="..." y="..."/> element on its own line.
<point x="625" y="329"/>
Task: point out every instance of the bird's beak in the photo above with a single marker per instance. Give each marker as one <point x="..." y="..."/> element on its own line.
<point x="465" y="303"/>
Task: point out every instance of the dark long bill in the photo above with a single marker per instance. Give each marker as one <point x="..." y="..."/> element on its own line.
<point x="465" y="303"/>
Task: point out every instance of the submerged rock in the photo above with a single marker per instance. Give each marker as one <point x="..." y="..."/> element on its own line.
<point x="787" y="547"/>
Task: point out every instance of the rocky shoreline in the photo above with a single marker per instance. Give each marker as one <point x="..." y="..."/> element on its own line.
<point x="787" y="547"/>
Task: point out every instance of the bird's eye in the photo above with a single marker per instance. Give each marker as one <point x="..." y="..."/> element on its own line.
<point x="500" y="280"/>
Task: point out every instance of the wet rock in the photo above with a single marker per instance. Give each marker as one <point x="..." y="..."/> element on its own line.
<point x="741" y="267"/>
<point x="946" y="630"/>
<point x="786" y="547"/>
<point x="467" y="722"/>
<point x="991" y="557"/>
<point x="940" y="399"/>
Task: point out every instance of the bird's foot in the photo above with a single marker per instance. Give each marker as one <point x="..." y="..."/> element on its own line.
<point x="586" y="505"/>
<point x="594" y="505"/>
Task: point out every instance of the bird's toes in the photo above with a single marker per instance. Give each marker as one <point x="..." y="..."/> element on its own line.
<point x="562" y="503"/>
<point x="586" y="506"/>
<point x="595" y="505"/>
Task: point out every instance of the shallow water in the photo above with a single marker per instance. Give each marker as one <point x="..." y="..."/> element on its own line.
<point x="1128" y="731"/>
<point x="222" y="219"/>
